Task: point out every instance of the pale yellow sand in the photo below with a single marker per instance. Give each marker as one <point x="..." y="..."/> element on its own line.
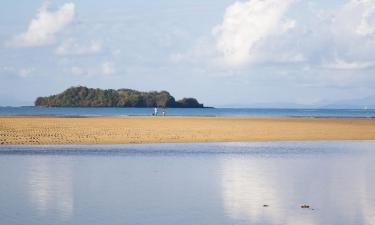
<point x="115" y="130"/>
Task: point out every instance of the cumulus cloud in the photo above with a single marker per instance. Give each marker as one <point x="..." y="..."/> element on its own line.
<point x="71" y="47"/>
<point x="366" y="23"/>
<point x="262" y="31"/>
<point x="107" y="68"/>
<point x="42" y="29"/>
<point x="245" y="27"/>
<point x="353" y="30"/>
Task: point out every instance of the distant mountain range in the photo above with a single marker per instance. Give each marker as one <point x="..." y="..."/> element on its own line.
<point x="363" y="103"/>
<point x="90" y="97"/>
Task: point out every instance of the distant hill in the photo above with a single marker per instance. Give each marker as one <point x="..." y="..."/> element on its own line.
<point x="362" y="103"/>
<point x="90" y="97"/>
<point x="355" y="103"/>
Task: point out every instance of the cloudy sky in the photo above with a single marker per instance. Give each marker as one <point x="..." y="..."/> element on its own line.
<point x="223" y="52"/>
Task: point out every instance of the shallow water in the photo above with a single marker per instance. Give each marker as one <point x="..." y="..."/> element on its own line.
<point x="77" y="111"/>
<point x="216" y="183"/>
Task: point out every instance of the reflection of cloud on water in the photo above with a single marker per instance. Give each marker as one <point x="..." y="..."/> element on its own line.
<point x="369" y="210"/>
<point x="339" y="192"/>
<point x="246" y="188"/>
<point x="50" y="187"/>
<point x="368" y="200"/>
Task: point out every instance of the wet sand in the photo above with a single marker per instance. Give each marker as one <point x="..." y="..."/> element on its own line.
<point x="142" y="129"/>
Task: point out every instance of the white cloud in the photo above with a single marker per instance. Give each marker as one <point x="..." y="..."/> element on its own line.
<point x="353" y="30"/>
<point x="6" y="69"/>
<point x="245" y="27"/>
<point x="78" y="71"/>
<point x="366" y="23"/>
<point x="19" y="72"/>
<point x="107" y="68"/>
<point x="343" y="65"/>
<point x="42" y="29"/>
<point x="25" y="72"/>
<point x="261" y="31"/>
<point x="71" y="47"/>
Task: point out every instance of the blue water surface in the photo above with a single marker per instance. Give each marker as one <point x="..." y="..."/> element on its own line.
<point x="201" y="184"/>
<point x="187" y="112"/>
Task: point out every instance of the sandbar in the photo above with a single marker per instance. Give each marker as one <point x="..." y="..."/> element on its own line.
<point x="174" y="129"/>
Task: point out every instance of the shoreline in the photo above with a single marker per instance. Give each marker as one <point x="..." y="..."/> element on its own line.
<point x="79" y="145"/>
<point x="58" y="130"/>
<point x="187" y="116"/>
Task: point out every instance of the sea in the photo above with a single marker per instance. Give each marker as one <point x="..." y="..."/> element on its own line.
<point x="56" y="111"/>
<point x="236" y="183"/>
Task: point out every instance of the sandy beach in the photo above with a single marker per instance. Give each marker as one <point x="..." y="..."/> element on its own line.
<point x="139" y="129"/>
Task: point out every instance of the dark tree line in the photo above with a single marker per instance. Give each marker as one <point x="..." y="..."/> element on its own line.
<point x="90" y="97"/>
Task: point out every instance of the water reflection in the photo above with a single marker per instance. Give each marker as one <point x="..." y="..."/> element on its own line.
<point x="339" y="189"/>
<point x="50" y="187"/>
<point x="368" y="197"/>
<point x="196" y="184"/>
<point x="246" y="186"/>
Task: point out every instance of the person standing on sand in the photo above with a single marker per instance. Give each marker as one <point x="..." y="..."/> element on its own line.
<point x="155" y="111"/>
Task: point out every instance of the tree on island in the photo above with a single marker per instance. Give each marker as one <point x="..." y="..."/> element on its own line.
<point x="89" y="97"/>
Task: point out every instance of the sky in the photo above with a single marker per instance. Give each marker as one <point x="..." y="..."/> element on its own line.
<point x="223" y="52"/>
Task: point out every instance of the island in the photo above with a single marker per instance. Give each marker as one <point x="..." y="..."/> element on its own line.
<point x="94" y="97"/>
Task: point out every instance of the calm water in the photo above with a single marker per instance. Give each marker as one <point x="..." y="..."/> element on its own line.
<point x="185" y="184"/>
<point x="188" y="112"/>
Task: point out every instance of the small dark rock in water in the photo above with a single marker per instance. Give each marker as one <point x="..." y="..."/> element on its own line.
<point x="265" y="205"/>
<point x="304" y="206"/>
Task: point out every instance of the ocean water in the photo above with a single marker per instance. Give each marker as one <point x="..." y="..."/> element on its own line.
<point x="200" y="184"/>
<point x="188" y="112"/>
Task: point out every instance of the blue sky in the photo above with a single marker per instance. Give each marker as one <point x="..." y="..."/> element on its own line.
<point x="223" y="52"/>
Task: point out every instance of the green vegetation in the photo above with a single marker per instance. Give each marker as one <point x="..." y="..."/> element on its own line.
<point x="90" y="97"/>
